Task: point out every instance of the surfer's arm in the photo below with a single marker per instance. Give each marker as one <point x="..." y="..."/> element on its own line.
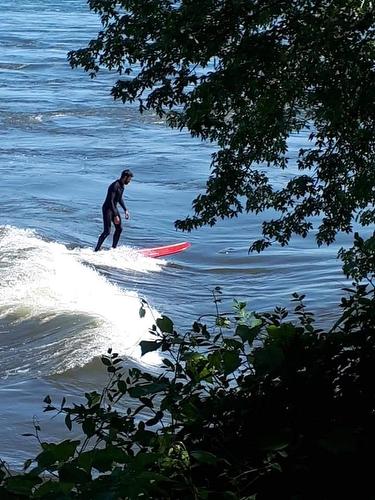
<point x="121" y="202"/>
<point x="112" y="201"/>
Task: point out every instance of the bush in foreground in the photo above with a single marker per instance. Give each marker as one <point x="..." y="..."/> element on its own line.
<point x="258" y="406"/>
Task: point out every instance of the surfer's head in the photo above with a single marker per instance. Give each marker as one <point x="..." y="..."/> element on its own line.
<point x="126" y="176"/>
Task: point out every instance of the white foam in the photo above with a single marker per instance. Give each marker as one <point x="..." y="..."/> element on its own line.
<point x="123" y="257"/>
<point x="42" y="280"/>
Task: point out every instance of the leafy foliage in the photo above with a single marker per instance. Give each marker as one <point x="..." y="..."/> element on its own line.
<point x="246" y="75"/>
<point x="359" y="261"/>
<point x="256" y="406"/>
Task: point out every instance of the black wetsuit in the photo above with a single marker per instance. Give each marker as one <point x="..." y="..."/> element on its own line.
<point x="114" y="196"/>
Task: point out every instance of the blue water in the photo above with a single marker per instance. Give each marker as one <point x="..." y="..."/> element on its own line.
<point x="62" y="141"/>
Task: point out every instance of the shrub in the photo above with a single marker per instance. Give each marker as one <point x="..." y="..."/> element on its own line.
<point x="254" y="406"/>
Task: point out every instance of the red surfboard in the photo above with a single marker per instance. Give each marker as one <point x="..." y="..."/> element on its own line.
<point x="166" y="250"/>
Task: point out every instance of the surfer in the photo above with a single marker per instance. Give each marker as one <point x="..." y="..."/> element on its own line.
<point x="110" y="211"/>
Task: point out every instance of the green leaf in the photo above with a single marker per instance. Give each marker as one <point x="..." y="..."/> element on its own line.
<point x="70" y="473"/>
<point x="27" y="464"/>
<point x="146" y="401"/>
<point x="204" y="457"/>
<point x="56" y="453"/>
<point x="85" y="459"/>
<point x="153" y="421"/>
<point x="143" y="460"/>
<point x="144" y="390"/>
<point x="268" y="359"/>
<point x="88" y="427"/>
<point x="149" y="346"/>
<point x="235" y="344"/>
<point x="103" y="460"/>
<point x="93" y="398"/>
<point x="222" y="321"/>
<point x="231" y="361"/>
<point x="22" y="484"/>
<point x="196" y="327"/>
<point x="122" y="386"/>
<point x="144" y="437"/>
<point x="238" y="305"/>
<point x="248" y="334"/>
<point x="53" y="489"/>
<point x="106" y="361"/>
<point x="165" y="324"/>
<point x="142" y="312"/>
<point x="68" y="421"/>
<point x="169" y="364"/>
<point x="282" y="333"/>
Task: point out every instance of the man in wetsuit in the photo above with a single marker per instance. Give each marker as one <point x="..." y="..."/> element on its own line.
<point x="110" y="212"/>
